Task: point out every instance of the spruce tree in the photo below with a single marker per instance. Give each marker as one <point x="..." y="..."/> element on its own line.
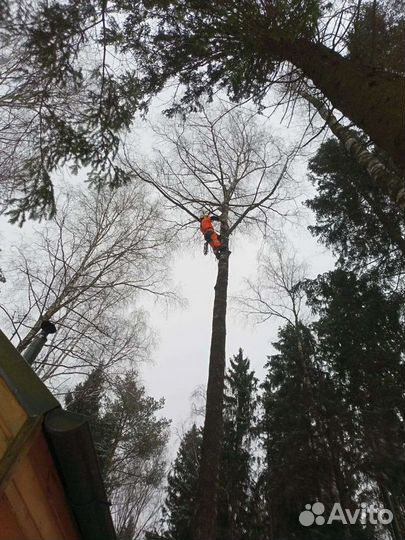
<point x="303" y="441"/>
<point x="236" y="475"/>
<point x="376" y="37"/>
<point x="353" y="218"/>
<point x="360" y="330"/>
<point x="236" y="471"/>
<point x="241" y="47"/>
<point x="70" y="98"/>
<point x="292" y="460"/>
<point x="361" y="338"/>
<point x="182" y="485"/>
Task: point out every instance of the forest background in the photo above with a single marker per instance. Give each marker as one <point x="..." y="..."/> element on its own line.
<point x="114" y="269"/>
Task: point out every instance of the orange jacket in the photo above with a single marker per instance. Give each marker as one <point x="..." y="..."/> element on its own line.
<point x="207" y="228"/>
<point x="206" y="224"/>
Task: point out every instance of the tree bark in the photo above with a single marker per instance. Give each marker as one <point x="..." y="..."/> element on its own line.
<point x="391" y="184"/>
<point x="371" y="99"/>
<point x="205" y="519"/>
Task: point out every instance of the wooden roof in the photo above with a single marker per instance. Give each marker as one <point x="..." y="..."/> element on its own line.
<point x="50" y="481"/>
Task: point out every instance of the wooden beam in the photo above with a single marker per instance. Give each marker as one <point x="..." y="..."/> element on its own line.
<point x="34" y="501"/>
<point x="18" y="448"/>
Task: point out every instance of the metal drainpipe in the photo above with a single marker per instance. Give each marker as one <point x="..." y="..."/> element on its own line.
<point x="35" y="347"/>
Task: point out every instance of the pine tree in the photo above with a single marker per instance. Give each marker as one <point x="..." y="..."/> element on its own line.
<point x="136" y="436"/>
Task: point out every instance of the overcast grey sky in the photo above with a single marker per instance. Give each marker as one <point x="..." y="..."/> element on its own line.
<point x="180" y="360"/>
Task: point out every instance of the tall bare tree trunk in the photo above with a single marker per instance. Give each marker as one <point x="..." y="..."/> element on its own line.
<point x="205" y="520"/>
<point x="372" y="99"/>
<point x="391" y="184"/>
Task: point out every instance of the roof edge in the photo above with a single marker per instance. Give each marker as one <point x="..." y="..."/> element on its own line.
<point x="23" y="382"/>
<point x="71" y="442"/>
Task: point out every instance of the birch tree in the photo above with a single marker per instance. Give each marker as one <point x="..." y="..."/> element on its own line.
<point x="354" y="219"/>
<point x="85" y="270"/>
<point x="277" y="290"/>
<point x="225" y="163"/>
<point x="389" y="181"/>
<point x="278" y="293"/>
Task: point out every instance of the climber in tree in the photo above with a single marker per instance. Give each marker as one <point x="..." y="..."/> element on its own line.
<point x="210" y="236"/>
